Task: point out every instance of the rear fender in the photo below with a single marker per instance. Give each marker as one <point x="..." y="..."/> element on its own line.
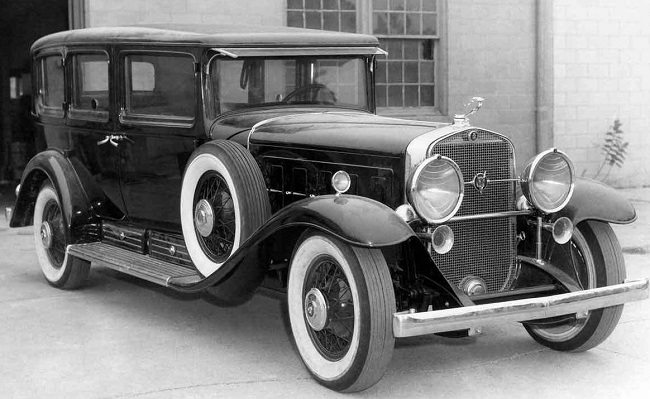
<point x="53" y="165"/>
<point x="593" y="200"/>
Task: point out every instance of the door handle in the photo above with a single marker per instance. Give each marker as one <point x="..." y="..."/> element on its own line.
<point x="114" y="139"/>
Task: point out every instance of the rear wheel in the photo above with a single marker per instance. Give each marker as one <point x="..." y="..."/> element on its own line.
<point x="598" y="261"/>
<point x="51" y="238"/>
<point x="341" y="303"/>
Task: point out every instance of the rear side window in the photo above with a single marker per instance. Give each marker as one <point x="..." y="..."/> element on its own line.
<point x="160" y="86"/>
<point x="50" y="85"/>
<point x="90" y="97"/>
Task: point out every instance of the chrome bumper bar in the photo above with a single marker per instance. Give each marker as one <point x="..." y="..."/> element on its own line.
<point x="407" y="324"/>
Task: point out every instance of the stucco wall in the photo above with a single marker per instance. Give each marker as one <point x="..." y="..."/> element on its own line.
<point x="602" y="72"/>
<point x="491" y="53"/>
<point x="132" y="12"/>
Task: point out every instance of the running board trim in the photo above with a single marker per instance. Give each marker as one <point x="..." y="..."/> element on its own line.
<point x="133" y="263"/>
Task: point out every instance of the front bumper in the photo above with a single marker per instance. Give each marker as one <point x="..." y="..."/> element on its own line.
<point x="406" y="324"/>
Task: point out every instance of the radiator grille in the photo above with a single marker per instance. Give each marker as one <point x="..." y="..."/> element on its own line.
<point x="482" y="248"/>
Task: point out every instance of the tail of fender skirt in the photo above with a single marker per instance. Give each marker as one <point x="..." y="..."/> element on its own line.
<point x="407" y="324"/>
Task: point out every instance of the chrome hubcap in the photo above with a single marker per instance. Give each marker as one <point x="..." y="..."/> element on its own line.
<point x="46" y="234"/>
<point x="316" y="309"/>
<point x="204" y="218"/>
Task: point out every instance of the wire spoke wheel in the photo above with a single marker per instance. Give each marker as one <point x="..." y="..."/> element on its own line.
<point x="219" y="241"/>
<point x="594" y="258"/>
<point x="326" y="276"/>
<point x="53" y="234"/>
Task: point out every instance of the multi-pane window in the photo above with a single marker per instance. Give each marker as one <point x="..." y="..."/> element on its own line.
<point x="336" y="15"/>
<point x="408" y="29"/>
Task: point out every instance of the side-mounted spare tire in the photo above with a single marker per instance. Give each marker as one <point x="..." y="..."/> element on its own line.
<point x="223" y="201"/>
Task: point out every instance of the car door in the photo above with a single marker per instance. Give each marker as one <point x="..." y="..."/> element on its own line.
<point x="158" y="120"/>
<point x="91" y="122"/>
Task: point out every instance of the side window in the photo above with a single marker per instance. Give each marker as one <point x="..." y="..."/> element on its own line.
<point x="160" y="86"/>
<point x="90" y="97"/>
<point x="51" y="87"/>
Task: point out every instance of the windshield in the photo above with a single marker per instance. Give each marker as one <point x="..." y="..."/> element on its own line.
<point x="255" y="82"/>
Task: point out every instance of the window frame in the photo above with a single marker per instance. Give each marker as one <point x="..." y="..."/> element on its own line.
<point x="137" y="119"/>
<point x="439" y="111"/>
<point x="39" y="109"/>
<point x="83" y="114"/>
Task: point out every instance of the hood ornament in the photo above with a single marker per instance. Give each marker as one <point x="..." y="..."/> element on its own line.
<point x="463" y="119"/>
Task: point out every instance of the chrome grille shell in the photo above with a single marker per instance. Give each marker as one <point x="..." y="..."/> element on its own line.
<point x="483" y="247"/>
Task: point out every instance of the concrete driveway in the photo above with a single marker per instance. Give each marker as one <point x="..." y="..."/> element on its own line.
<point x="123" y="338"/>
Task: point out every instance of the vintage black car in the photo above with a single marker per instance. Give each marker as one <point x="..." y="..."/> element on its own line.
<point x="217" y="159"/>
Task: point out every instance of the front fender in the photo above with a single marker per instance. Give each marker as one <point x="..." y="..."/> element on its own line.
<point x="597" y="201"/>
<point x="356" y="220"/>
<point x="53" y="165"/>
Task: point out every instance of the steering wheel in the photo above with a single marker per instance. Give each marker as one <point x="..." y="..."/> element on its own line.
<point x="314" y="88"/>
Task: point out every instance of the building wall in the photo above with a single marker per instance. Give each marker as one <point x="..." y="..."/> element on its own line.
<point x="491" y="54"/>
<point x="132" y="12"/>
<point x="602" y="72"/>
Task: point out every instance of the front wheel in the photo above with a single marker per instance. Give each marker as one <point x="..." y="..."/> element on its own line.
<point x="597" y="260"/>
<point x="51" y="237"/>
<point x="341" y="303"/>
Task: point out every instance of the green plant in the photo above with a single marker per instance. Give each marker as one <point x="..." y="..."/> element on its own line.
<point x="614" y="149"/>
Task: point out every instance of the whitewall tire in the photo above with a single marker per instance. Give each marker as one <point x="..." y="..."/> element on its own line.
<point x="341" y="303"/>
<point x="223" y="201"/>
<point x="51" y="238"/>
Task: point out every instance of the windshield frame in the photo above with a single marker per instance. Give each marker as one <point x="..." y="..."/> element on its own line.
<point x="212" y="75"/>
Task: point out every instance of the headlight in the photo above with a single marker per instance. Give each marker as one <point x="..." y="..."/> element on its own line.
<point x="436" y="189"/>
<point x="548" y="180"/>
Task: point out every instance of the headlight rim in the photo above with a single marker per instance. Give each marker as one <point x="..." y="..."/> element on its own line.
<point x="412" y="184"/>
<point x="529" y="172"/>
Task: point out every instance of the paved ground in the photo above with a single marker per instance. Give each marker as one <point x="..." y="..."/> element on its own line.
<point x="122" y="338"/>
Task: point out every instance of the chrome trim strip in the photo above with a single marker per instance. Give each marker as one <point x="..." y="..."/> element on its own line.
<point x="494" y="215"/>
<point x="407" y="324"/>
<point x="471" y="182"/>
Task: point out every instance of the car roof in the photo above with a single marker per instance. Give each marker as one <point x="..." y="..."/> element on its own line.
<point x="207" y="35"/>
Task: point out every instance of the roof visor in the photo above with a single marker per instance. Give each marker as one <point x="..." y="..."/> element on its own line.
<point x="297" y="51"/>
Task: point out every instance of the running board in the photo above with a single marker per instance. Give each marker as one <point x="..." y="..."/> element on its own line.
<point x="135" y="264"/>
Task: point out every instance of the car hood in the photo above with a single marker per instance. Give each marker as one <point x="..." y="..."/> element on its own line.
<point x="352" y="132"/>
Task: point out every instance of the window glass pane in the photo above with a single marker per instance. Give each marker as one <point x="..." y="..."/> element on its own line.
<point x="426" y="96"/>
<point x="348" y="4"/>
<point x="330" y="4"/>
<point x="294" y="4"/>
<point x="396" y="26"/>
<point x="411" y="72"/>
<point x="411" y="96"/>
<point x="294" y="19"/>
<point x="52" y="92"/>
<point x="256" y="82"/>
<point x="380" y="94"/>
<point x="414" y="5"/>
<point x="394" y="72"/>
<point x="429" y="5"/>
<point x="380" y="4"/>
<point x="429" y="24"/>
<point x="160" y="85"/>
<point x="380" y="75"/>
<point x="331" y="21"/>
<point x="397" y="5"/>
<point x="349" y="22"/>
<point x="312" y="4"/>
<point x="90" y="83"/>
<point x="380" y="23"/>
<point x="312" y="20"/>
<point x="395" y="98"/>
<point x="413" y="24"/>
